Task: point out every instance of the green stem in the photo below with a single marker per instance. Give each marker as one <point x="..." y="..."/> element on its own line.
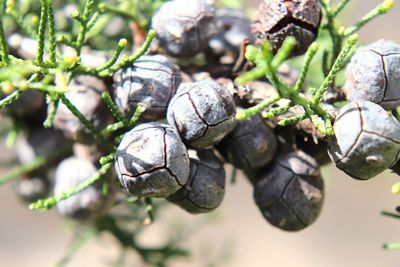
<point x="80" y="116"/>
<point x="311" y="51"/>
<point x="10" y="99"/>
<point x="51" y="114"/>
<point x="340" y="6"/>
<point x="252" y="111"/>
<point x="262" y="58"/>
<point x="22" y="169"/>
<point x="134" y="119"/>
<point x="391" y="214"/>
<point x="48" y="203"/>
<point x="317" y="114"/>
<point x="13" y="134"/>
<point x="3" y="41"/>
<point x="112" y="128"/>
<point x="377" y="11"/>
<point x="138" y="112"/>
<point x="392" y="246"/>
<point x="47" y="88"/>
<point x="251" y="75"/>
<point x="328" y="125"/>
<point x="265" y="60"/>
<point x="52" y="32"/>
<point x="292" y="120"/>
<point x="112" y="106"/>
<point x="333" y="32"/>
<point x="325" y="63"/>
<point x="76" y="16"/>
<point x="42" y="32"/>
<point x="284" y="52"/>
<point x="107" y="159"/>
<point x="93" y="20"/>
<point x="97" y="24"/>
<point x="63" y="39"/>
<point x="129" y="60"/>
<point x="277" y="111"/>
<point x="334" y="71"/>
<point x="87" y="12"/>
<point x="121" y="45"/>
<point x="149" y="209"/>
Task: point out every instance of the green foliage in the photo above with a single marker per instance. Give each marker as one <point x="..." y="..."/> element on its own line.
<point x="48" y="203"/>
<point x="391" y="246"/>
<point x="50" y="71"/>
<point x="267" y="65"/>
<point x="342" y="42"/>
<point x="22" y="169"/>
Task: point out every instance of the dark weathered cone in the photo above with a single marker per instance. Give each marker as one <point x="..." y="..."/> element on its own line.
<point x="290" y="191"/>
<point x="151" y="81"/>
<point x="251" y="145"/>
<point x="278" y="19"/>
<point x="202" y="112"/>
<point x="205" y="188"/>
<point x="224" y="49"/>
<point x="152" y="161"/>
<point x="184" y="27"/>
<point x="374" y="74"/>
<point x="366" y="141"/>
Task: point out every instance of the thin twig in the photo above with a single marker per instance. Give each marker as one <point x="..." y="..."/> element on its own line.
<point x="51" y="114"/>
<point x="48" y="203"/>
<point x="121" y="45"/>
<point x="80" y="116"/>
<point x="391" y="214"/>
<point x="335" y="69"/>
<point x="112" y="106"/>
<point x="129" y="60"/>
<point x="377" y="11"/>
<point x="52" y="32"/>
<point x="10" y="99"/>
<point x="3" y="42"/>
<point x="42" y="32"/>
<point x="252" y="111"/>
<point x="22" y="169"/>
<point x="339" y="7"/>
<point x="312" y="50"/>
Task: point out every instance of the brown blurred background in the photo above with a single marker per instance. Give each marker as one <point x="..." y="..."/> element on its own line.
<point x="350" y="231"/>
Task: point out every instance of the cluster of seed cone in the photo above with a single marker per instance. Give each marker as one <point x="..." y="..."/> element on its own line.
<point x="188" y="130"/>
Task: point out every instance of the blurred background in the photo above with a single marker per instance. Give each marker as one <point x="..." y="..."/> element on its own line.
<point x="349" y="232"/>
